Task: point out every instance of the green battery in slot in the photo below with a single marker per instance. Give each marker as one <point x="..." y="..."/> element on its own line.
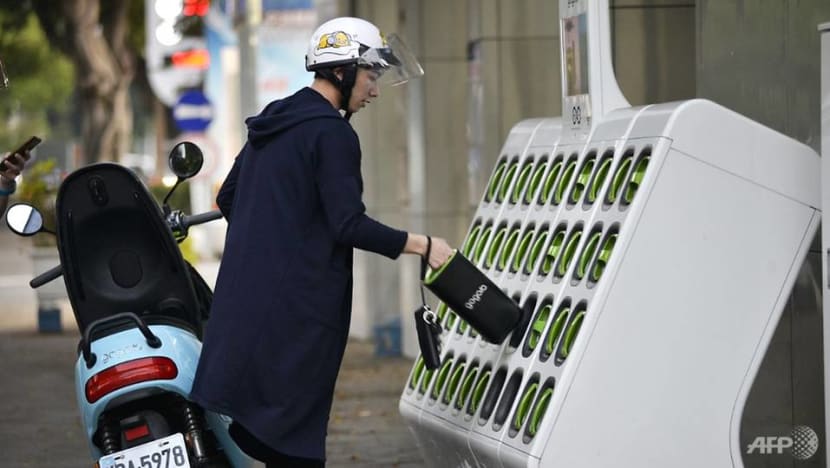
<point x="570" y="336"/>
<point x="482" y="242"/>
<point x="426" y="381"/>
<point x="538" y="412"/>
<point x="603" y="257"/>
<point x="556" y="329"/>
<point x="478" y="392"/>
<point x="636" y="178"/>
<point x="618" y="181"/>
<point x="536" y="250"/>
<point x="535" y="182"/>
<point x="550" y="182"/>
<point x="466" y="387"/>
<point x="525" y="403"/>
<point x="417" y="370"/>
<point x="450" y="320"/>
<point x="462" y="327"/>
<point x="507" y="181"/>
<point x="441" y="311"/>
<point x="509" y="245"/>
<point x="599" y="178"/>
<point x="441" y="380"/>
<point x="569" y="253"/>
<point x="553" y="250"/>
<point x="537" y="329"/>
<point x="583" y="178"/>
<point x="521" y="182"/>
<point x="495" y="181"/>
<point x="587" y="254"/>
<point x="470" y="242"/>
<point x="495" y="247"/>
<point x="522" y="250"/>
<point x="567" y="176"/>
<point x="455" y="381"/>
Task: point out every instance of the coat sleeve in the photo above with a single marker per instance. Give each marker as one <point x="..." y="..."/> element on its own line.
<point x="224" y="199"/>
<point x="340" y="185"/>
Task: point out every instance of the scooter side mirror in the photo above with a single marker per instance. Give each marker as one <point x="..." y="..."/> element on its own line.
<point x="24" y="220"/>
<point x="185" y="160"/>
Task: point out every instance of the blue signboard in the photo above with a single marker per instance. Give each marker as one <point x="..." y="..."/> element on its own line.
<point x="272" y="5"/>
<point x="193" y="112"/>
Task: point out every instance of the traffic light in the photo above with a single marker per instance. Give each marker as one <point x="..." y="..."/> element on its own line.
<point x="195" y="7"/>
<point x="177" y="57"/>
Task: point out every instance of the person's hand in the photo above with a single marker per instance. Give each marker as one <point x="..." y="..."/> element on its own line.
<point x="14" y="166"/>
<point x="439" y="253"/>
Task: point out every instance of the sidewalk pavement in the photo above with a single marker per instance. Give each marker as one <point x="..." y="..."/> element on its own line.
<point x="41" y="427"/>
<point x="18" y="309"/>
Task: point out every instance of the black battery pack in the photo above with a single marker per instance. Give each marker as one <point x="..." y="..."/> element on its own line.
<point x="474" y="297"/>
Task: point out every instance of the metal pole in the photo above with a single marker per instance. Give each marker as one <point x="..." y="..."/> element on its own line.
<point x="416" y="167"/>
<point x="476" y="175"/>
<point x="248" y="25"/>
<point x="824" y="31"/>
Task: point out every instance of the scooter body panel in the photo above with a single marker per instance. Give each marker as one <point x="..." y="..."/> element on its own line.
<point x="180" y="346"/>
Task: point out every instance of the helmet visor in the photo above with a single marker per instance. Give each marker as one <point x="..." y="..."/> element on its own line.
<point x="395" y="62"/>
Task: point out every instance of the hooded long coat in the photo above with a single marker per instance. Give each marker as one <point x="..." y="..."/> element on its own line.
<point x="282" y="302"/>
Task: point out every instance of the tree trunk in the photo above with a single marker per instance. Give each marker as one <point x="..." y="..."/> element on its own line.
<point x="104" y="66"/>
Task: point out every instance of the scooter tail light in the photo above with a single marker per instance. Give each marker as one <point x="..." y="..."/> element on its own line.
<point x="129" y="373"/>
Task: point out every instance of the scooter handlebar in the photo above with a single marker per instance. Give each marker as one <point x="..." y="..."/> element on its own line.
<point x="46" y="277"/>
<point x="179" y="223"/>
<point x="201" y="218"/>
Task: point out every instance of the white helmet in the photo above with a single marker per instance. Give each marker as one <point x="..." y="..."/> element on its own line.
<point x="344" y="41"/>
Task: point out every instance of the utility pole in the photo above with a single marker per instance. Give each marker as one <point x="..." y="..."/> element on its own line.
<point x="248" y="21"/>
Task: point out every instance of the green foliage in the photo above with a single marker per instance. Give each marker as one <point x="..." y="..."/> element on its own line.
<point x="39" y="188"/>
<point x="41" y="80"/>
<point x="180" y="200"/>
<point x="188" y="252"/>
<point x="137" y="37"/>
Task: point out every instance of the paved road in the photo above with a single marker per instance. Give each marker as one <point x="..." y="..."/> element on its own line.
<point x="40" y="425"/>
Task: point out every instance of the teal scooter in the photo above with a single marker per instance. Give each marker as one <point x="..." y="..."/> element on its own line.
<point x="141" y="310"/>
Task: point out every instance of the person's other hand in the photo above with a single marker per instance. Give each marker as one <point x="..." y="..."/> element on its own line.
<point x="14" y="165"/>
<point x="439" y="253"/>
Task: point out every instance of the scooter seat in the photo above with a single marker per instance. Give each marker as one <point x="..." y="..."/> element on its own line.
<point x="118" y="253"/>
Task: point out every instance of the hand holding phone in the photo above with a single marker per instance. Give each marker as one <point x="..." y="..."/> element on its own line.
<point x="21" y="151"/>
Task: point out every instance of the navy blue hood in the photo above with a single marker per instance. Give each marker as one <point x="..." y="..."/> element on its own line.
<point x="281" y="115"/>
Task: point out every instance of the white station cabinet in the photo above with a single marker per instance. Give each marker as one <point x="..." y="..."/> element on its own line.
<point x="652" y="250"/>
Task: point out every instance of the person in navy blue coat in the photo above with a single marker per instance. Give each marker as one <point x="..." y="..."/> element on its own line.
<point x="293" y="200"/>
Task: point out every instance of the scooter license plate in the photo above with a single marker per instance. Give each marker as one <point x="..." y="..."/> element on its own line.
<point x="169" y="452"/>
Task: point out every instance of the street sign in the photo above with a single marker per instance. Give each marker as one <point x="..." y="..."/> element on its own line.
<point x="193" y="112"/>
<point x="176" y="51"/>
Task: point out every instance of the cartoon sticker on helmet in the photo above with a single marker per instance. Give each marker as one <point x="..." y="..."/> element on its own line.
<point x="334" y="40"/>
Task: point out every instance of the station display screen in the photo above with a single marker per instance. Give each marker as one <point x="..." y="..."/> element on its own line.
<point x="575" y="51"/>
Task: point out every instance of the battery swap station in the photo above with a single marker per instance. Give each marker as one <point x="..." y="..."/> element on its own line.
<point x="652" y="249"/>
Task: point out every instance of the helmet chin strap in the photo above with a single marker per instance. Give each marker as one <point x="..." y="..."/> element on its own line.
<point x="344" y="86"/>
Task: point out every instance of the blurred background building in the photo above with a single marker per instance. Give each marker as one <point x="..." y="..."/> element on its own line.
<point x="428" y="146"/>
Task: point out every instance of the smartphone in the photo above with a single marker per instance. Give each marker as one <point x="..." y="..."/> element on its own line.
<point x="28" y="146"/>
